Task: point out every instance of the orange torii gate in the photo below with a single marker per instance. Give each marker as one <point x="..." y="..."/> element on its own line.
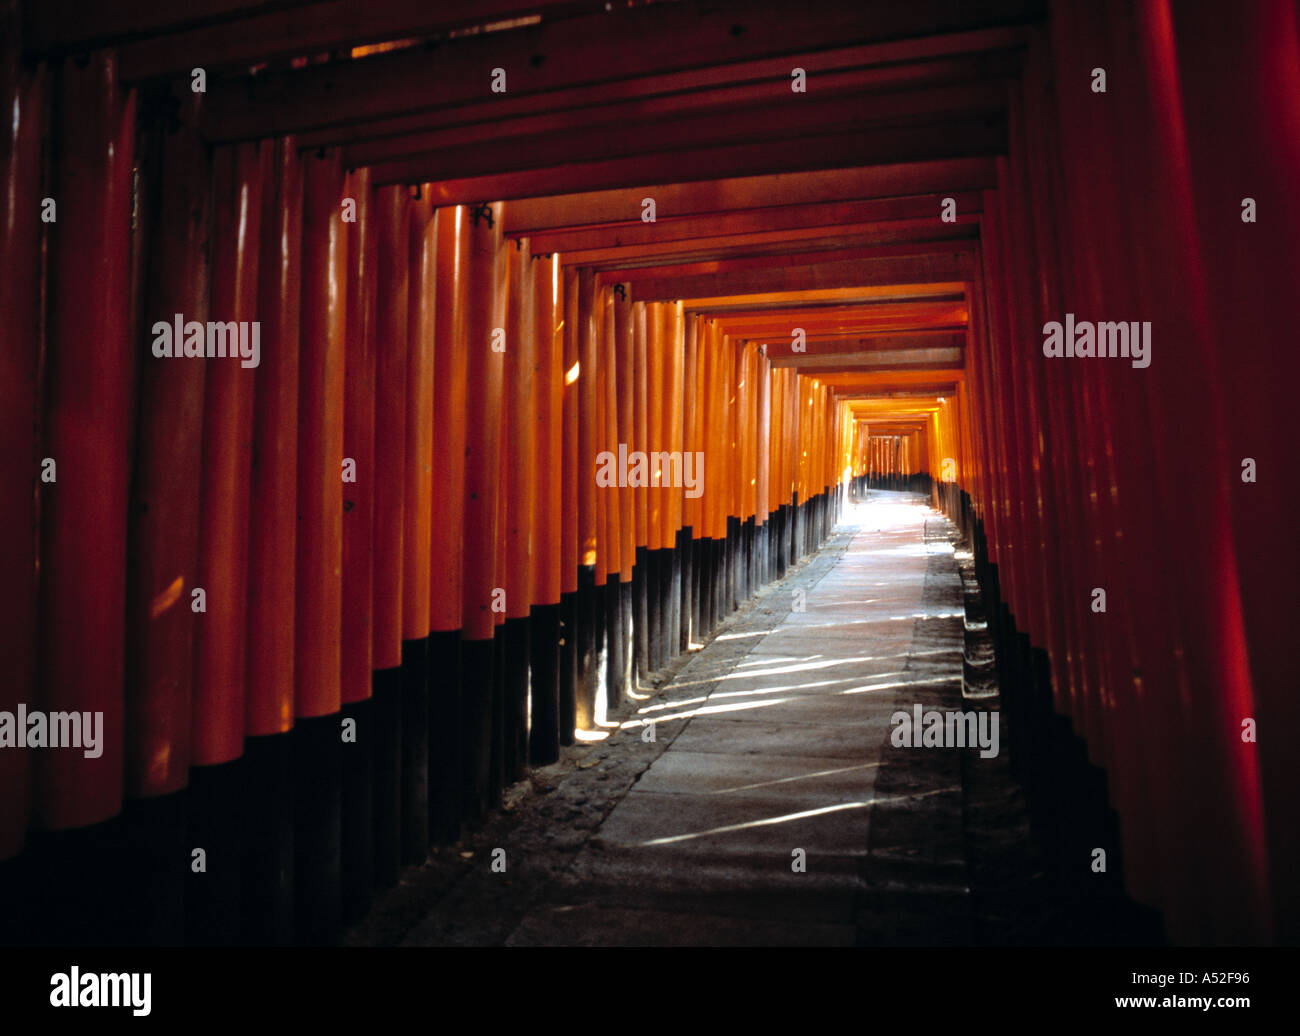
<point x="325" y="607"/>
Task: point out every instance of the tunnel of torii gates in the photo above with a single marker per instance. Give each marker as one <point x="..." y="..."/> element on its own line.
<point x="482" y="260"/>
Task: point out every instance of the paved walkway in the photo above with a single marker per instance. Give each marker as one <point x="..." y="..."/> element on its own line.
<point x="770" y="808"/>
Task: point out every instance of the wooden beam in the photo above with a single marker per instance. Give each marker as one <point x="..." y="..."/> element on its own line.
<point x="976" y="137"/>
<point x="53" y="27"/>
<point x="622" y="43"/>
<point x="832" y="349"/>
<point x="779" y="242"/>
<point x="888" y="384"/>
<point x="846" y="321"/>
<point x="595" y="208"/>
<point x="909" y="359"/>
<point x="317" y="27"/>
<point x="747" y="276"/>
<point x="986" y="54"/>
<point x="681" y="230"/>
<point x="766" y="111"/>
<point x="877" y="293"/>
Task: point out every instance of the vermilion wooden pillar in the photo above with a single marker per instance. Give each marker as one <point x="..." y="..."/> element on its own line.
<point x="164" y="528"/>
<point x="359" y="446"/>
<point x="641" y="499"/>
<point x="704" y="528"/>
<point x="221" y="636"/>
<point x="603" y="506"/>
<point x="740" y="471"/>
<point x="500" y="763"/>
<point x="416" y="535"/>
<point x="484" y="397"/>
<point x="600" y="434"/>
<point x="730" y="463"/>
<point x="83" y="507"/>
<point x="318" y="660"/>
<point x="24" y="95"/>
<point x="674" y="384"/>
<point x="1243" y="141"/>
<point x="776" y="502"/>
<point x="1146" y="777"/>
<point x="220" y="642"/>
<point x="446" y="558"/>
<point x="273" y="531"/>
<point x="163" y="534"/>
<point x="655" y="420"/>
<point x="717" y="472"/>
<point x="267" y="893"/>
<point x="519" y="467"/>
<point x="624" y="357"/>
<point x="570" y="554"/>
<point x="618" y="653"/>
<point x="83" y="581"/>
<point x="547" y="402"/>
<point x="1217" y="677"/>
<point x="763" y="465"/>
<point x="588" y="438"/>
<point x="392" y="297"/>
<point x="691" y="384"/>
<point x="358" y="550"/>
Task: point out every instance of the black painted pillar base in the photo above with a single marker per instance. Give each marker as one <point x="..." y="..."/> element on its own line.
<point x="641" y="615"/>
<point x="781" y="548"/>
<point x="445" y="744"/>
<point x="215" y="824"/>
<point x="654" y="612"/>
<point x="585" y="695"/>
<point x="544" y="735"/>
<point x="647" y="638"/>
<point x="673" y="608"/>
<point x="415" y="750"/>
<point x="719" y="581"/>
<point x="612" y="615"/>
<point x="267" y="896"/>
<point x="386" y="761"/>
<point x="152" y="892"/>
<point x="477" y="659"/>
<point x="22" y="897"/>
<point x="620" y="679"/>
<point x="65" y="888"/>
<point x="749" y="551"/>
<point x="696" y="629"/>
<point x="798" y="534"/>
<point x="516" y="646"/>
<point x="704" y="579"/>
<point x="625" y="608"/>
<point x="795" y="530"/>
<point x="445" y="723"/>
<point x="357" y="798"/>
<point x="318" y="830"/>
<point x="733" y="564"/>
<point x="686" y="551"/>
<point x="569" y="682"/>
<point x="497" y="769"/>
<point x="665" y="610"/>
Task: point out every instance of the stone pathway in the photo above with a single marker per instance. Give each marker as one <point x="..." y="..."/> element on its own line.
<point x="770" y="808"/>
